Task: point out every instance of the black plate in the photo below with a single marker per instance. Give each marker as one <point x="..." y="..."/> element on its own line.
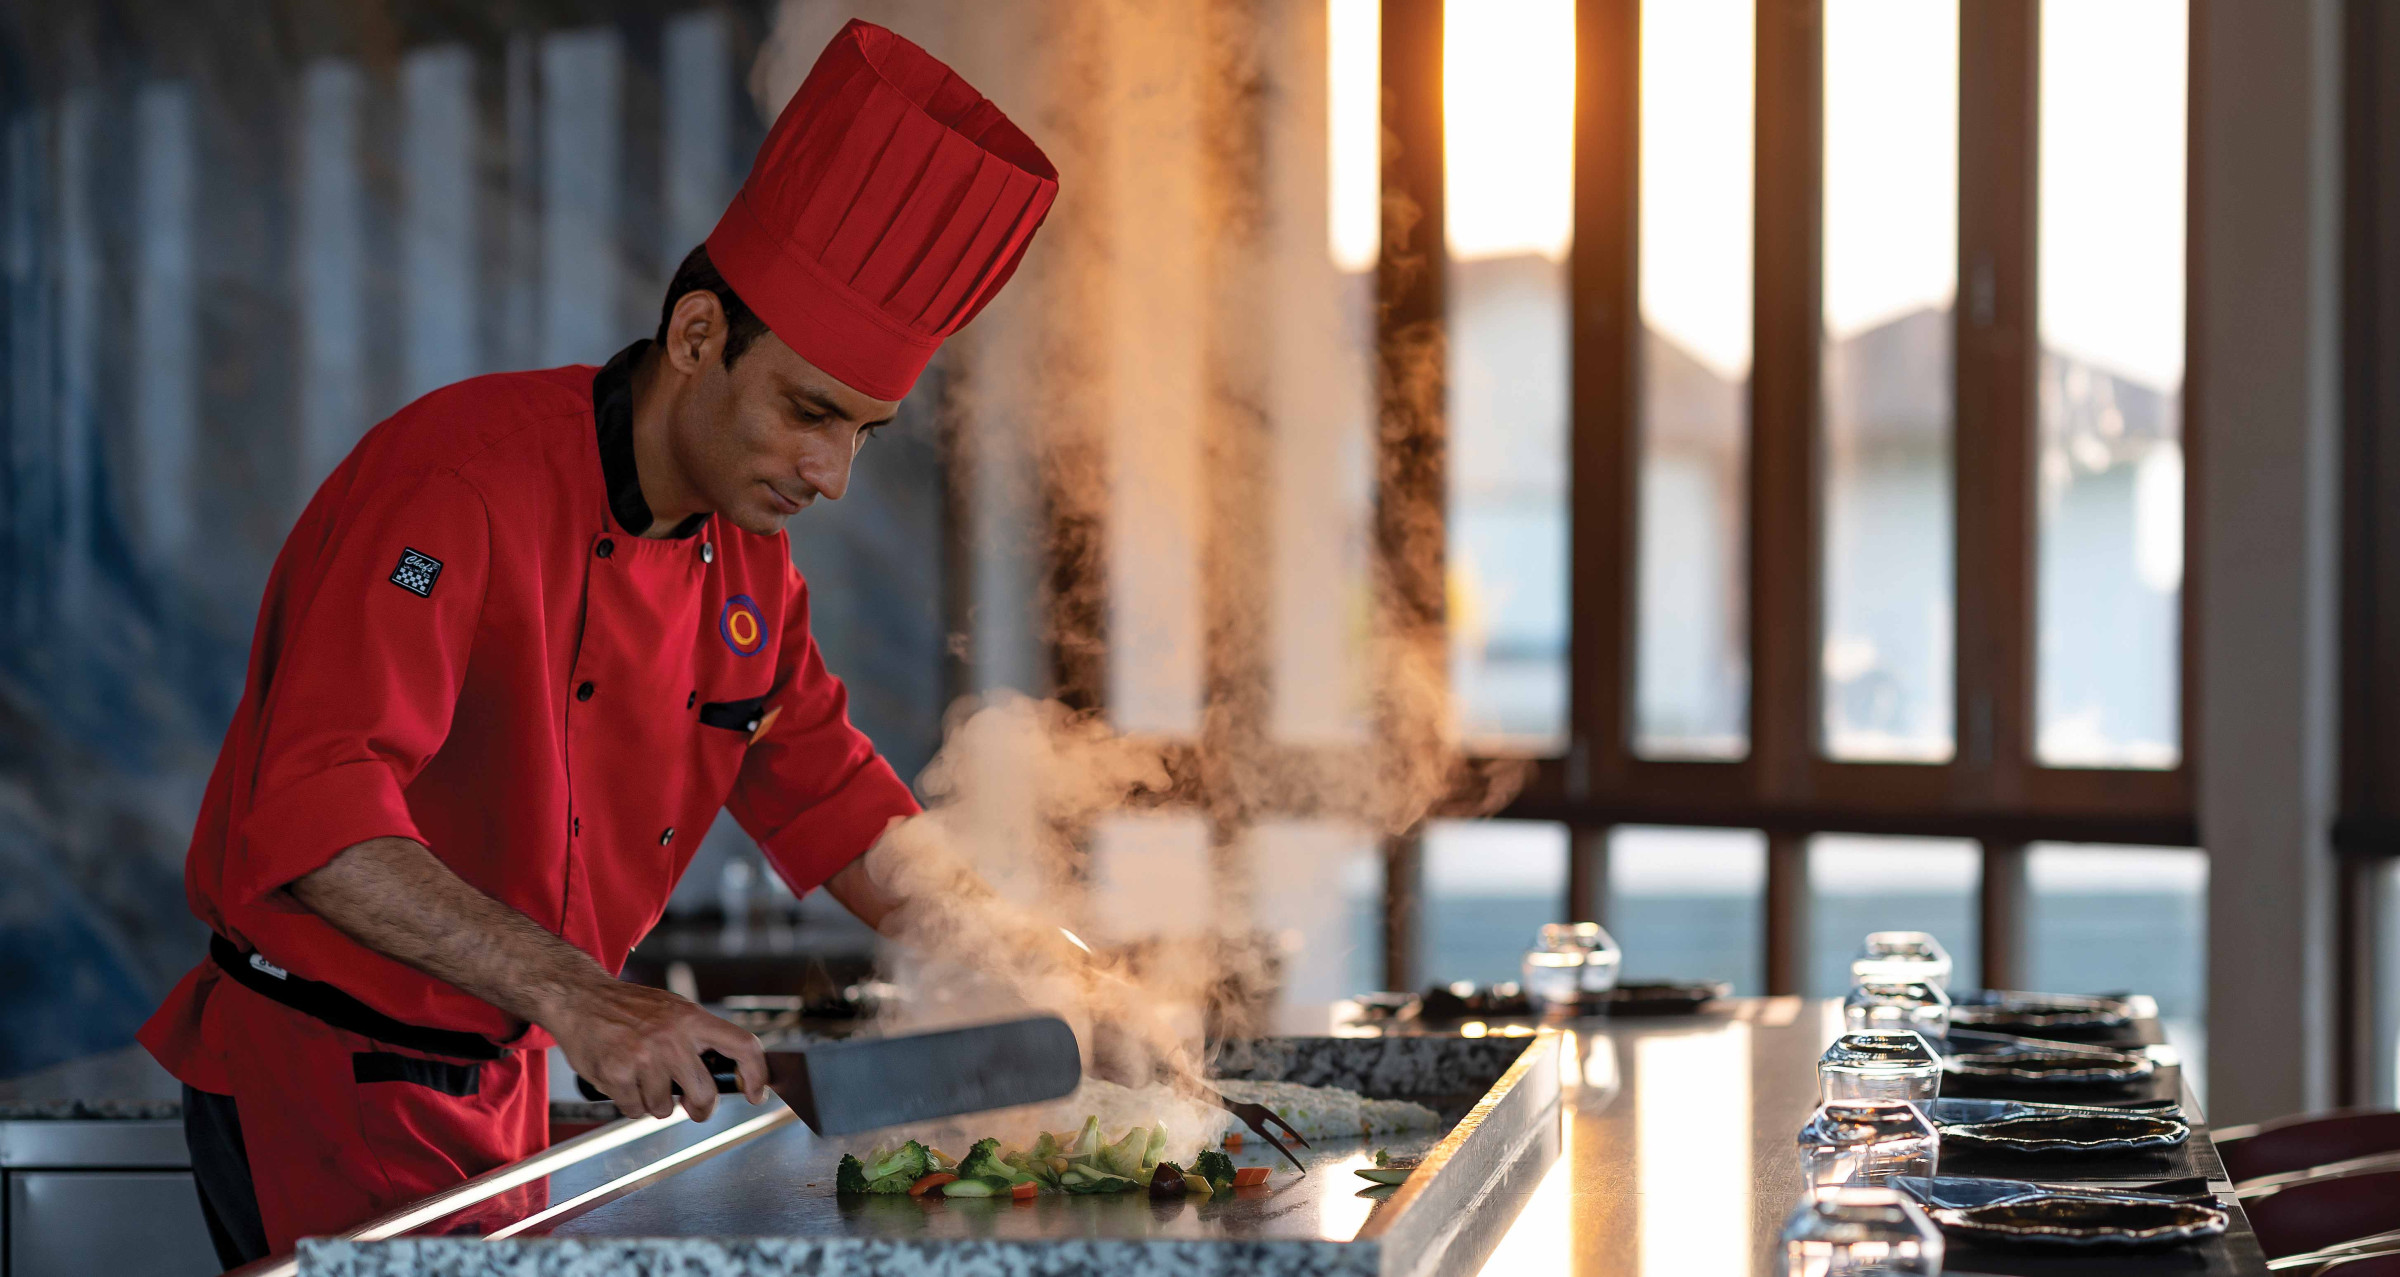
<point x="2036" y="1131"/>
<point x="2088" y="1222"/>
<point x="1656" y="997"/>
<point x="2015" y="1011"/>
<point x="1975" y="1054"/>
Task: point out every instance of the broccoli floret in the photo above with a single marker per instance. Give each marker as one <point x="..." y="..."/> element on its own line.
<point x="983" y="1162"/>
<point x="883" y="1171"/>
<point x="910" y="1161"/>
<point x="1212" y="1165"/>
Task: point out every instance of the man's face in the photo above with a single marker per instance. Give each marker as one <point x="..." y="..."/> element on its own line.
<point x="762" y="441"/>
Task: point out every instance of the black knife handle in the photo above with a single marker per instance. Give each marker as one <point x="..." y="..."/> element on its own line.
<point x="721" y="1070"/>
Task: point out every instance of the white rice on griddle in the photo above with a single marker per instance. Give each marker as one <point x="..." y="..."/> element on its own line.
<point x="1325" y="1112"/>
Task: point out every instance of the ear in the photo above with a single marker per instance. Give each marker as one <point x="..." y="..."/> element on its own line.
<point x="696" y="332"/>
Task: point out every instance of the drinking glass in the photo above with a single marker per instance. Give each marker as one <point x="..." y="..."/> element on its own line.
<point x="1601" y="956"/>
<point x="1855" y="1232"/>
<point x="1568" y="962"/>
<point x="1902" y="956"/>
<point x="1898" y="1004"/>
<point x="1867" y="1142"/>
<point x="1880" y="1064"/>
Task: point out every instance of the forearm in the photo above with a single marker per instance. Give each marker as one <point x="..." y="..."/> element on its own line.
<point x="393" y="896"/>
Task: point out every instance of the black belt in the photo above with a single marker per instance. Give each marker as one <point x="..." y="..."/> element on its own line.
<point x="324" y="1002"/>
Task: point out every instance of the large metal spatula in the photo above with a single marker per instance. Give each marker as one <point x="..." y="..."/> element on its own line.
<point x="860" y="1084"/>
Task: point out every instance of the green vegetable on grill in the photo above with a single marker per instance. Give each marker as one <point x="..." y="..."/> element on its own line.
<point x="883" y="1171"/>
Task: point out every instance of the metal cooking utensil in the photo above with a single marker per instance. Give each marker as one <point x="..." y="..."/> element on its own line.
<point x="1255" y="1115"/>
<point x="861" y="1084"/>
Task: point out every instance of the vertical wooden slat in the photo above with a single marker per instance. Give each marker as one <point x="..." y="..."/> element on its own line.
<point x="1603" y="323"/>
<point x="1787" y="913"/>
<point x="2368" y="830"/>
<point x="2003" y="914"/>
<point x="1997" y="362"/>
<point x="1587" y="874"/>
<point x="1403" y="910"/>
<point x="1784" y="561"/>
<point x="1411" y="479"/>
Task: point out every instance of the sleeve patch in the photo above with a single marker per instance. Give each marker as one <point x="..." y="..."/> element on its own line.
<point x="417" y="573"/>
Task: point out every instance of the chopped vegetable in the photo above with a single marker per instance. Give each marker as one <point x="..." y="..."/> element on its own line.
<point x="983" y="1162"/>
<point x="1214" y="1167"/>
<point x="893" y="1171"/>
<point x="1388" y="1169"/>
<point x="1383" y="1157"/>
<point x="1084" y="1161"/>
<point x="1233" y="1140"/>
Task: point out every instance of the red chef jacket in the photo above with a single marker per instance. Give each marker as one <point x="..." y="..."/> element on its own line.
<point x="461" y="644"/>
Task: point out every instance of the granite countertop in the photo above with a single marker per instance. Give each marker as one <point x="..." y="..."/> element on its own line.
<point x="127" y="1085"/>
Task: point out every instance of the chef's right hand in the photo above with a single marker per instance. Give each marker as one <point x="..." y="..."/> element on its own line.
<point x="637" y="1044"/>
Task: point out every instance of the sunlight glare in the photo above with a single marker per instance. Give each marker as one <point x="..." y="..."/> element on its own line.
<point x="1698" y="90"/>
<point x="2112" y="182"/>
<point x="1891" y="160"/>
<point x="1508" y="104"/>
<point x="1354" y="131"/>
<point x="1692" y="1140"/>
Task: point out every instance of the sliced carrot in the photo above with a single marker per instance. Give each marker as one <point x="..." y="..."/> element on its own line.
<point x="1024" y="1192"/>
<point x="1233" y="1140"/>
<point x="930" y="1182"/>
<point x="1245" y="1176"/>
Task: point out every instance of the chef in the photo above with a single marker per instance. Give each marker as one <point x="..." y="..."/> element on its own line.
<point x="523" y="645"/>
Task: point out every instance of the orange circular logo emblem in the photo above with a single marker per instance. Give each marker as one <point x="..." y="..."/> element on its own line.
<point x="743" y="625"/>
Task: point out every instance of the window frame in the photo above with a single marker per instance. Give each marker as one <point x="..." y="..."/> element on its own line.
<point x="1993" y="789"/>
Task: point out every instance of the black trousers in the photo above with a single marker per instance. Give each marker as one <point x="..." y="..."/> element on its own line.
<point x="221" y="1171"/>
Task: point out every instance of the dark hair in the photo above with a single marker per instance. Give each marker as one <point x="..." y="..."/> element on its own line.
<point x="699" y="275"/>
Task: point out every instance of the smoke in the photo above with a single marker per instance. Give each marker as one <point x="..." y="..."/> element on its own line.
<point x="1169" y="413"/>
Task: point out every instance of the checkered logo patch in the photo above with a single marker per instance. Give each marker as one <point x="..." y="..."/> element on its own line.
<point x="417" y="573"/>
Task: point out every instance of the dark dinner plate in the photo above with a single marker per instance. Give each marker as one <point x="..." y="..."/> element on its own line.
<point x="2095" y="1223"/>
<point x="1995" y="1212"/>
<point x="2043" y="1014"/>
<point x="2013" y="1127"/>
<point x="1971" y="1053"/>
<point x="1655" y="997"/>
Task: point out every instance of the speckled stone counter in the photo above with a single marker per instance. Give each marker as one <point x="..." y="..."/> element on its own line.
<point x="827" y="1257"/>
<point x="1378" y="1067"/>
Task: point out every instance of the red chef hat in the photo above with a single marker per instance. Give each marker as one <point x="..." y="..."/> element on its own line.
<point x="889" y="203"/>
